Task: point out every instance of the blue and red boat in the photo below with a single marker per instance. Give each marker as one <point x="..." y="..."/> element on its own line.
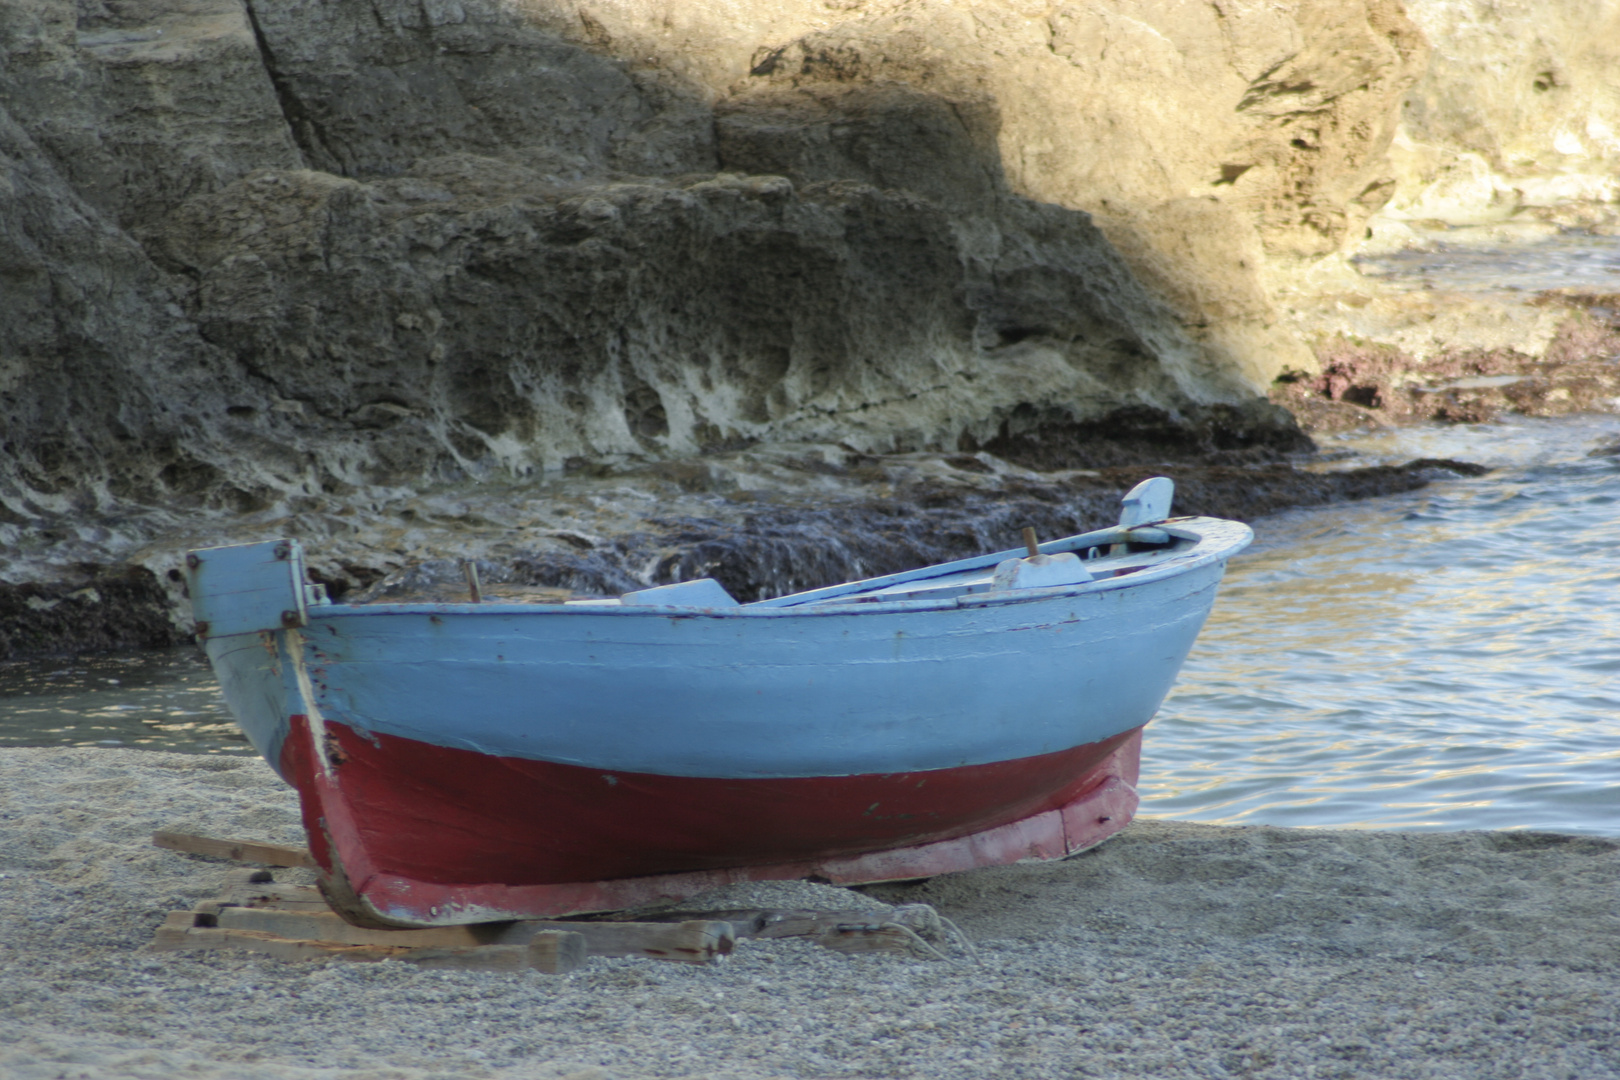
<point x="474" y="762"/>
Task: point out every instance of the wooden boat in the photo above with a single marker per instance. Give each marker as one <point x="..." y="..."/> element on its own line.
<point x="473" y="762"/>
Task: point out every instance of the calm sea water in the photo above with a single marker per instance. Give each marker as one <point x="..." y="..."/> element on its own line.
<point x="164" y="699"/>
<point x="1444" y="659"/>
<point x="1572" y="260"/>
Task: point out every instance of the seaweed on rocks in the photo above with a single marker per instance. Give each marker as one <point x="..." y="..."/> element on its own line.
<point x="105" y="610"/>
<point x="764" y="521"/>
<point x="760" y="548"/>
<point x="1372" y="384"/>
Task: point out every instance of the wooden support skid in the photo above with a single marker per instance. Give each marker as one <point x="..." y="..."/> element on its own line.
<point x="255" y="913"/>
<point x="292" y="922"/>
<point x="552" y="951"/>
<point x="297" y="911"/>
<point x="235" y="850"/>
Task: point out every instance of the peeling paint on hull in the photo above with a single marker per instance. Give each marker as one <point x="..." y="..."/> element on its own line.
<point x="413" y="835"/>
<point x="465" y="763"/>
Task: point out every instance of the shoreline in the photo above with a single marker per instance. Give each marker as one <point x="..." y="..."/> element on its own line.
<point x="1173" y="950"/>
<point x="898" y="514"/>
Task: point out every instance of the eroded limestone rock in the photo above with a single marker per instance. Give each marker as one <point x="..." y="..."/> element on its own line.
<point x="1508" y="138"/>
<point x="261" y="258"/>
<point x="1517" y="117"/>
<point x="261" y="249"/>
<point x="1205" y="138"/>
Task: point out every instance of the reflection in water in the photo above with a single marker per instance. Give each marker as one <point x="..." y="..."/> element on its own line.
<point x="161" y="700"/>
<point x="1444" y="659"/>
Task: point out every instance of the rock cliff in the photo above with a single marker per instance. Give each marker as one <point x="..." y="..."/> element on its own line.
<point x="1516" y="117"/>
<point x="252" y="249"/>
<point x="1507" y="139"/>
<point x="258" y="257"/>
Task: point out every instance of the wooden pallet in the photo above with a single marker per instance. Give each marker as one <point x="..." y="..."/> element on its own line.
<point x="255" y="913"/>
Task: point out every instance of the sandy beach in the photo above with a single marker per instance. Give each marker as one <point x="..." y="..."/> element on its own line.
<point x="1174" y="950"/>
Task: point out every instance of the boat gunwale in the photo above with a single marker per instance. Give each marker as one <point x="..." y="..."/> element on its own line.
<point x="1201" y="554"/>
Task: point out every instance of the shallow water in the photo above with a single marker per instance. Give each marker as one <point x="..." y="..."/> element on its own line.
<point x="162" y="699"/>
<point x="1443" y="659"/>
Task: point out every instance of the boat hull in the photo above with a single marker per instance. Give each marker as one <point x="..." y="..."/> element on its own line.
<point x="463" y="763"/>
<point x="409" y="837"/>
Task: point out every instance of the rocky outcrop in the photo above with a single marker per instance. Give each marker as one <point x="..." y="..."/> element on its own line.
<point x="1370" y="383"/>
<point x="278" y="265"/>
<point x="1508" y="137"/>
<point x="949" y="507"/>
<point x="1206" y="138"/>
<point x="1516" y="120"/>
<point x="453" y="315"/>
<point x="254" y="249"/>
<point x="762" y="522"/>
<point x="100" y="612"/>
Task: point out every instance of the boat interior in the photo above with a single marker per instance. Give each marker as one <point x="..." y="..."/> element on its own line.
<point x="1145" y="537"/>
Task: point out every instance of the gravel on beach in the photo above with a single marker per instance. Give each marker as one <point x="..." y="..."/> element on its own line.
<point x="1174" y="950"/>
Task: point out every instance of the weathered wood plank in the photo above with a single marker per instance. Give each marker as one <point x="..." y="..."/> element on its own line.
<point x="551" y="951"/>
<point x="267" y="895"/>
<point x="555" y="952"/>
<point x="243" y="588"/>
<point x="869" y="938"/>
<point x="841" y="931"/>
<point x="235" y="850"/>
<point x="694" y="941"/>
<point x="906" y="929"/>
<point x="804" y="923"/>
<point x="329" y="927"/>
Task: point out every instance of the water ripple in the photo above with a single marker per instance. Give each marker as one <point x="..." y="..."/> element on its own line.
<point x="1442" y="659"/>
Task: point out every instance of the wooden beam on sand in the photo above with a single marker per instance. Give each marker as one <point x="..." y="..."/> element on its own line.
<point x="694" y="941"/>
<point x="905" y="930"/>
<point x="554" y="952"/>
<point x="256" y="913"/>
<point x="249" y="851"/>
<point x="850" y="931"/>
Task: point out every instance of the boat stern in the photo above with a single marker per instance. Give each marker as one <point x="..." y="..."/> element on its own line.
<point x="249" y="602"/>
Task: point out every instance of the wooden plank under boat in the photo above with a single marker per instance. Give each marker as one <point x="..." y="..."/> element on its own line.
<point x="462" y="763"/>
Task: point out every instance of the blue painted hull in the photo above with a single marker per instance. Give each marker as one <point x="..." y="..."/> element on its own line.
<point x="731" y="700"/>
<point x="737" y="696"/>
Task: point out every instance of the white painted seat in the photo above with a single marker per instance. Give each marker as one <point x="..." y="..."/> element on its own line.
<point x="702" y="593"/>
<point x="1041" y="572"/>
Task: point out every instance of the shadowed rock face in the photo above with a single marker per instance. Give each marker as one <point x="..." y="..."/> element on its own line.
<point x="1207" y="140"/>
<point x="471" y="312"/>
<point x="276" y="265"/>
<point x="252" y="249"/>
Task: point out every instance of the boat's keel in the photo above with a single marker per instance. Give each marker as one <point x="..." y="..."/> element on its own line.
<point x="1099" y="803"/>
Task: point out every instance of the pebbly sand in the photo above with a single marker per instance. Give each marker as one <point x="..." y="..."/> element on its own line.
<point x="1174" y="950"/>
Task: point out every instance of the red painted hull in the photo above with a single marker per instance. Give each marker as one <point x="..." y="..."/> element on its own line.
<point x="413" y="834"/>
